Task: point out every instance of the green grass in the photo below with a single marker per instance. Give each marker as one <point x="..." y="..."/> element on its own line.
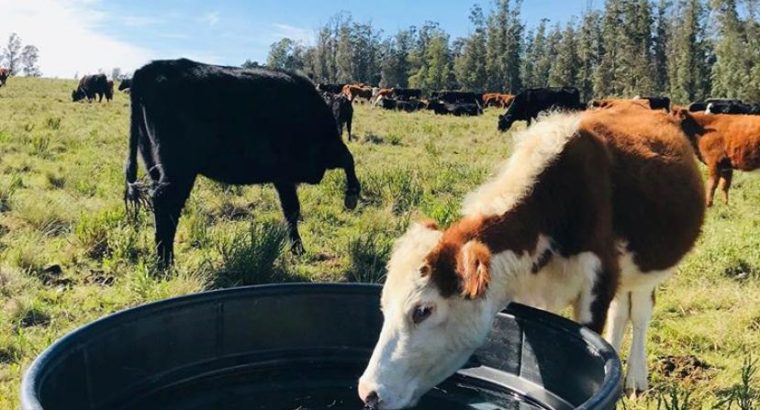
<point x="69" y="255"/>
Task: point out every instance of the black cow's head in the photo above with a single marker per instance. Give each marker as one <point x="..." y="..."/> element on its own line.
<point x="506" y="121"/>
<point x="77" y="95"/>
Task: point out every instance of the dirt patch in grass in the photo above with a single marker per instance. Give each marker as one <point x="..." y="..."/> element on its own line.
<point x="688" y="367"/>
<point x="8" y="355"/>
<point x="34" y="317"/>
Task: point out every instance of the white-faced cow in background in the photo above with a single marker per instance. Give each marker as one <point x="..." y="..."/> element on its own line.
<point x="593" y="210"/>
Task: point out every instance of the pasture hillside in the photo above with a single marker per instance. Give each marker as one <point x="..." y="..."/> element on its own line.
<point x="68" y="254"/>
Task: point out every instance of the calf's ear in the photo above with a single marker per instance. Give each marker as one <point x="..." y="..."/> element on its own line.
<point x="428" y="223"/>
<point x="474" y="267"/>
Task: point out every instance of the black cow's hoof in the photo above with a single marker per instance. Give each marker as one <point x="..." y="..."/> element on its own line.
<point x="297" y="248"/>
<point x="351" y="201"/>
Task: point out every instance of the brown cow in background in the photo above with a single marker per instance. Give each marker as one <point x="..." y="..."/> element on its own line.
<point x="354" y="91"/>
<point x="497" y="100"/>
<point x="724" y="143"/>
<point x="4" y="74"/>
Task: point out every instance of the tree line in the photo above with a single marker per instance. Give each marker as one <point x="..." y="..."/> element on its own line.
<point x="687" y="49"/>
<point x="19" y="58"/>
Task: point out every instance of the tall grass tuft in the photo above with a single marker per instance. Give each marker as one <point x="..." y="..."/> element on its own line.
<point x="252" y="256"/>
<point x="675" y="399"/>
<point x="7" y="191"/>
<point x="92" y="232"/>
<point x="405" y="189"/>
<point x="744" y="395"/>
<point x="53" y="123"/>
<point x="368" y="255"/>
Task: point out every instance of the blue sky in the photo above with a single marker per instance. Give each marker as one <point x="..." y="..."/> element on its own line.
<point x="80" y="36"/>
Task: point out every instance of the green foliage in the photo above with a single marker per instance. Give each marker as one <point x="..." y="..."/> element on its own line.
<point x="564" y="71"/>
<point x="744" y="395"/>
<point x="469" y="66"/>
<point x="250" y="256"/>
<point x="688" y="66"/>
<point x="368" y="255"/>
<point x="93" y="230"/>
<point x="675" y="399"/>
<point x="7" y="191"/>
<point x="631" y="47"/>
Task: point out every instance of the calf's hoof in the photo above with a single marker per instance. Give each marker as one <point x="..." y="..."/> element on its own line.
<point x="635" y="385"/>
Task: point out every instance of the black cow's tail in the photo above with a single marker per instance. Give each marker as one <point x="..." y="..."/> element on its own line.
<point x="135" y="193"/>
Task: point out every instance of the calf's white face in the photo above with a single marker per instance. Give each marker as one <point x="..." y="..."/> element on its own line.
<point x="425" y="337"/>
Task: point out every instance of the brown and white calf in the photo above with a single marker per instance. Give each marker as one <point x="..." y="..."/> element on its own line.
<point x="724" y="143"/>
<point x="592" y="210"/>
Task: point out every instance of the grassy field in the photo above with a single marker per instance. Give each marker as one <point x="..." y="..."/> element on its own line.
<point x="68" y="254"/>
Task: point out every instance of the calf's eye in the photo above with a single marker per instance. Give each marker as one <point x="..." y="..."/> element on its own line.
<point x="420" y="313"/>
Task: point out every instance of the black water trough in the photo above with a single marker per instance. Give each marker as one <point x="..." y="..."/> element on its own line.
<point x="303" y="347"/>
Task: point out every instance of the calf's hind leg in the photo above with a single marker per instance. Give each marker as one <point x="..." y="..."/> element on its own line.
<point x="641" y="307"/>
<point x="712" y="184"/>
<point x="291" y="208"/>
<point x="726" y="176"/>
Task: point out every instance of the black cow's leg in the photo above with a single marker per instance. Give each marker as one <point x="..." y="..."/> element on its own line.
<point x="291" y="208"/>
<point x="353" y="187"/>
<point x="169" y="197"/>
<point x="348" y="126"/>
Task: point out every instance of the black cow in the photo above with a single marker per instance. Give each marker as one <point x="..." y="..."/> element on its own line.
<point x="456" y="109"/>
<point x="755" y="110"/>
<point x="331" y="88"/>
<point x="457" y="97"/>
<point x="723" y="104"/>
<point x="233" y="125"/>
<point x="406" y="94"/>
<point x="731" y="107"/>
<point x="400" y="105"/>
<point x="125" y="84"/>
<point x="91" y="86"/>
<point x="657" y="103"/>
<point x="342" y="110"/>
<point x="531" y="102"/>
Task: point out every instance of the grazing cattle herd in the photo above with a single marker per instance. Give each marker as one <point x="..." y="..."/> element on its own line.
<point x="596" y="206"/>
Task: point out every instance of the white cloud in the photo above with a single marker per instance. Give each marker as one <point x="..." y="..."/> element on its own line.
<point x="68" y="35"/>
<point x="210" y="18"/>
<point x="299" y="34"/>
<point x="139" y="21"/>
